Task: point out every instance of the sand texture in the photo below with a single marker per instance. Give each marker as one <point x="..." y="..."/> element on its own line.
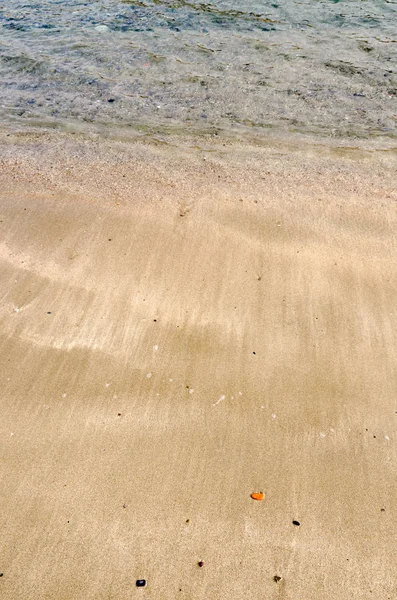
<point x="181" y="327"/>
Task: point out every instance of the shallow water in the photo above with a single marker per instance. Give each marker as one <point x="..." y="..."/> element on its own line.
<point x="312" y="67"/>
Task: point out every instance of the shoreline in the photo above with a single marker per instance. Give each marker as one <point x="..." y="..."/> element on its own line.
<point x="182" y="327"/>
<point x="191" y="136"/>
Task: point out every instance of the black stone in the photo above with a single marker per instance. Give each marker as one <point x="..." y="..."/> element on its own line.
<point x="296" y="523"/>
<point x="140" y="582"/>
<point x="277" y="578"/>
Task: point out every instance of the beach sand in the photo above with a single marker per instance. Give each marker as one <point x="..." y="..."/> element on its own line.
<point x="183" y="326"/>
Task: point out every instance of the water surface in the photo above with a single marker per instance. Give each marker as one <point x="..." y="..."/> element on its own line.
<point x="314" y="67"/>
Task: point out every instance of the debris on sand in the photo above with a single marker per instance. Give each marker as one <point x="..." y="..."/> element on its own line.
<point x="296" y="523"/>
<point x="258" y="496"/>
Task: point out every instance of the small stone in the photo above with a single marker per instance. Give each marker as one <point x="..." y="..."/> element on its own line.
<point x="102" y="28"/>
<point x="296" y="523"/>
<point x="277" y="578"/>
<point x="111" y="100"/>
<point x="140" y="582"/>
<point x="200" y="563"/>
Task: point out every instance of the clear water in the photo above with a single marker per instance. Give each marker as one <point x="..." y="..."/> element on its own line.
<point x="323" y="68"/>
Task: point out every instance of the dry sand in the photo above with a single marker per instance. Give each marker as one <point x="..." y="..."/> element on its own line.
<point x="181" y="327"/>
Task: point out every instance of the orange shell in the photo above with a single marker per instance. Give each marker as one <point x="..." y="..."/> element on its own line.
<point x="258" y="496"/>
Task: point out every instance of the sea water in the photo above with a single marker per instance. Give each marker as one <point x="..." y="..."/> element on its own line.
<point x="322" y="68"/>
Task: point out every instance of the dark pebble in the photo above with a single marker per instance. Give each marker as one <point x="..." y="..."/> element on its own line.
<point x="140" y="582"/>
<point x="200" y="564"/>
<point x="277" y="578"/>
<point x="296" y="523"/>
<point x="111" y="100"/>
<point x="1" y="574"/>
<point x="49" y="313"/>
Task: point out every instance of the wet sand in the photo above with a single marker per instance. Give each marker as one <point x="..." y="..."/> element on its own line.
<point x="182" y="327"/>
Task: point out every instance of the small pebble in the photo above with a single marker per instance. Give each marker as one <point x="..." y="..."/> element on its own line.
<point x="277" y="578"/>
<point x="296" y="523"/>
<point x="140" y="582"/>
<point x="200" y="563"/>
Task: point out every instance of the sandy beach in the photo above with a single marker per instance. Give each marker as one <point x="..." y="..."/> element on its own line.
<point x="182" y="326"/>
